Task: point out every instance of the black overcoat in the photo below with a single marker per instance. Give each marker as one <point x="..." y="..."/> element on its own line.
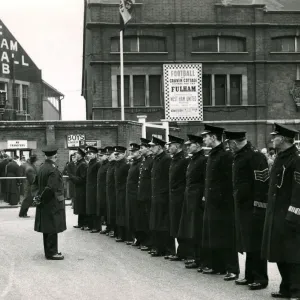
<point x="218" y="220"/>
<point x="132" y="193"/>
<point x="71" y="169"/>
<point x="101" y="190"/>
<point x="13" y="185"/>
<point x="79" y="180"/>
<point x="191" y="223"/>
<point x="281" y="239"/>
<point x="91" y="187"/>
<point x="50" y="216"/>
<point x="111" y="193"/>
<point x="3" y="164"/>
<point x="177" y="180"/>
<point x="121" y="172"/>
<point x="250" y="191"/>
<point x="143" y="205"/>
<point x="159" y="214"/>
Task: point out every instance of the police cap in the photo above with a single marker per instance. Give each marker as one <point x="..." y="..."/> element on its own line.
<point x="209" y="129"/>
<point x="50" y="150"/>
<point x="134" y="147"/>
<point x="174" y="139"/>
<point x="145" y="142"/>
<point x="235" y="135"/>
<point x="157" y="141"/>
<point x="284" y="131"/>
<point x="194" y="139"/>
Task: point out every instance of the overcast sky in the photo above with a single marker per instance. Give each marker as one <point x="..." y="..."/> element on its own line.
<point x="51" y="34"/>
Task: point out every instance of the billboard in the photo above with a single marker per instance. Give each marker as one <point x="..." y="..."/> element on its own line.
<point x="183" y="92"/>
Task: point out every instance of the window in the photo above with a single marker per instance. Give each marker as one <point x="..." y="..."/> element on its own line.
<point x="25" y="98"/>
<point x="126" y="90"/>
<point x="235" y="89"/>
<point x="16" y="104"/>
<point x="139" y="90"/>
<point x="139" y="44"/>
<point x="154" y="90"/>
<point x="216" y="89"/>
<point x="219" y="44"/>
<point x="286" y="44"/>
<point x="220" y="89"/>
<point x="206" y="89"/>
<point x="3" y="88"/>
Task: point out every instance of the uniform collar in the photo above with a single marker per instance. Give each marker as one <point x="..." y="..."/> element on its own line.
<point x="160" y="155"/>
<point x="217" y="149"/>
<point x="245" y="148"/>
<point x="288" y="151"/>
<point x="195" y="155"/>
<point x="178" y="155"/>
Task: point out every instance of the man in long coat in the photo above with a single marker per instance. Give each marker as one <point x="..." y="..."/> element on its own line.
<point x="30" y="186"/>
<point x="191" y="223"/>
<point x="101" y="188"/>
<point x="143" y="204"/>
<point x="250" y="190"/>
<point x="79" y="180"/>
<point x="281" y="238"/>
<point x="177" y="181"/>
<point x="218" y="223"/>
<point x="91" y="190"/>
<point x="3" y="183"/>
<point x="13" y="185"/>
<point x="121" y="172"/>
<point x="50" y="217"/>
<point x="111" y="192"/>
<point x="132" y="194"/>
<point x="159" y="215"/>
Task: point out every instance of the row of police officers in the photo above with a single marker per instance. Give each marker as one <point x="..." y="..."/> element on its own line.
<point x="215" y="206"/>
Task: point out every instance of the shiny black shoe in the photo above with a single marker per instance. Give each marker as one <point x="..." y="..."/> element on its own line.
<point x="119" y="240"/>
<point x="167" y="256"/>
<point x="280" y="295"/>
<point x="129" y="243"/>
<point x="151" y="251"/>
<point x="209" y="271"/>
<point x="145" y="248"/>
<point x="257" y="286"/>
<point x="103" y="232"/>
<point x="230" y="276"/>
<point x="189" y="261"/>
<point x="76" y="226"/>
<point x="156" y="254"/>
<point x="193" y="265"/>
<point x="175" y="258"/>
<point x="200" y="270"/>
<point x="243" y="281"/>
<point x="136" y="244"/>
<point x="57" y="256"/>
<point x="95" y="231"/>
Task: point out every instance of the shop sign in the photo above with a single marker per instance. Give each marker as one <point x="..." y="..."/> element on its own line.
<point x="75" y="140"/>
<point x="17" y="144"/>
<point x="93" y="143"/>
<point x="183" y="92"/>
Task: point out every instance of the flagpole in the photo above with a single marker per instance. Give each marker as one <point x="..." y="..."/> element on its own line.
<point x="122" y="75"/>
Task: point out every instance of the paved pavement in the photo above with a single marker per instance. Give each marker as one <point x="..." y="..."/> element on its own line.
<point x="96" y="267"/>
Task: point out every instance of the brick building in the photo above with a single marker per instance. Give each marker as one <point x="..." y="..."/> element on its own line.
<point x="250" y="55"/>
<point x="27" y="96"/>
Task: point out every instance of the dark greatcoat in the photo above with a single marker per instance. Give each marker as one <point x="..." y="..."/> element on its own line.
<point x="191" y="223"/>
<point x="159" y="214"/>
<point x="132" y="186"/>
<point x="79" y="181"/>
<point x="121" y="172"/>
<point x="250" y="191"/>
<point x="143" y="204"/>
<point x="101" y="190"/>
<point x="177" y="179"/>
<point x="13" y="185"/>
<point x="3" y="165"/>
<point x="50" y="216"/>
<point x="218" y="220"/>
<point x="91" y="187"/>
<point x="71" y="169"/>
<point x="281" y="238"/>
<point x="111" y="193"/>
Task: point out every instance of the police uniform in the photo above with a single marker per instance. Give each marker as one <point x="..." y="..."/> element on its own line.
<point x="132" y="194"/>
<point x="177" y="181"/>
<point x="218" y="223"/>
<point x="121" y="172"/>
<point x="143" y="204"/>
<point x="191" y="223"/>
<point x="159" y="215"/>
<point x="250" y="190"/>
<point x="91" y="192"/>
<point x="50" y="217"/>
<point x="79" y="180"/>
<point x="281" y="238"/>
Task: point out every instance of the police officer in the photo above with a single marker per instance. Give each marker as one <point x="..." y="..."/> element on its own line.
<point x="250" y="190"/>
<point x="159" y="215"/>
<point x="111" y="191"/>
<point x="177" y="180"/>
<point x="79" y="180"/>
<point x="101" y="188"/>
<point x="191" y="223"/>
<point x="281" y="238"/>
<point x="218" y="223"/>
<point x="121" y="172"/>
<point x="91" y="190"/>
<point x="143" y="204"/>
<point x="132" y="193"/>
<point x="50" y="217"/>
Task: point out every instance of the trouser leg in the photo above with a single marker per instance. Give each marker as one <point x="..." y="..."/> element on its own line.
<point x="182" y="248"/>
<point x="50" y="244"/>
<point x="97" y="223"/>
<point x="285" y="278"/>
<point x="294" y="274"/>
<point x="259" y="268"/>
<point x="231" y="261"/>
<point x="121" y="232"/>
<point x="249" y="267"/>
<point x="217" y="260"/>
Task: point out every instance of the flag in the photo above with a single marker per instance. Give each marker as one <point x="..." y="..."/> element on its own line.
<point x="126" y="7"/>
